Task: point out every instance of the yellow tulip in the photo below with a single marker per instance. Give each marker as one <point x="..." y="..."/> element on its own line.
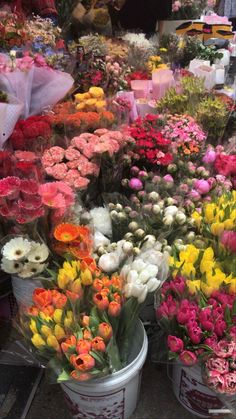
<point x="46" y="331"/>
<point x="33" y="327"/>
<point x="68" y="322"/>
<point x="217" y="229"/>
<point x="190" y="254"/>
<point x="193" y="286"/>
<point x="76" y="286"/>
<point x="197" y="218"/>
<point x="229" y="224"/>
<point x="57" y="315"/>
<point x="210" y="210"/>
<point x="38" y="341"/>
<point x="67" y="274"/>
<point x="86" y="277"/>
<point x="219" y="215"/>
<point x="53" y="343"/>
<point x="59" y="332"/>
<point x="206" y="266"/>
<point x="188" y="270"/>
<point x="45" y="317"/>
<point x="208" y="289"/>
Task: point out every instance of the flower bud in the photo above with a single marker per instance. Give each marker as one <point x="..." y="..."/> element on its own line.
<point x="59" y="332"/>
<point x="153" y="196"/>
<point x="101" y="251"/>
<point x="161" y="203"/>
<point x="101" y="301"/>
<point x="125" y="183"/>
<point x="136" y="251"/>
<point x="134" y="170"/>
<point x="147" y="208"/>
<point x="139" y="233"/>
<point x="168" y="220"/>
<point x="127" y="247"/>
<point x="119" y="207"/>
<point x="86" y="277"/>
<point x="133" y="226"/>
<point x="122" y="217"/>
<point x="114" y="215"/>
<point x="156" y="209"/>
<point x="57" y="315"/>
<point x="171" y="210"/>
<point x="168" y="249"/>
<point x="111" y="206"/>
<point x="128" y="209"/>
<point x="190" y="237"/>
<point x="46" y="331"/>
<point x="143" y="174"/>
<point x="128" y="236"/>
<point x="105" y="331"/>
<point x="172" y="168"/>
<point x="170" y="201"/>
<point x="68" y="344"/>
<point x="180" y="218"/>
<point x="114" y="309"/>
<point x="156" y="180"/>
<point x="133" y="214"/>
<point x="135" y="184"/>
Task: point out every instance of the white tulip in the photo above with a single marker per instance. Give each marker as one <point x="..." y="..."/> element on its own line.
<point x="153" y="284"/>
<point x="143" y="295"/>
<point x="138" y="265"/>
<point x="124" y="271"/>
<point x="132" y="276"/>
<point x="148" y="273"/>
<point x="171" y="210"/>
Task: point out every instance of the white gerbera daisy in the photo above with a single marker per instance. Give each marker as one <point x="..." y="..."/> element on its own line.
<point x="16" y="249"/>
<point x="11" y="266"/>
<point x="39" y="253"/>
<point x="31" y="269"/>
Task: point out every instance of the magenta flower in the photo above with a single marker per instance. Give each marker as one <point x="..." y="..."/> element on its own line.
<point x="202" y="186"/>
<point x="209" y="157"/>
<point x="188" y="358"/>
<point x="175" y="344"/>
<point x="136" y="184"/>
<point x="228" y="239"/>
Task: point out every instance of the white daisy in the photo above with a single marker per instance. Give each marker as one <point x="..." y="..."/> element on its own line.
<point x="39" y="253"/>
<point x="16" y="249"/>
<point x="11" y="266"/>
<point x="31" y="269"/>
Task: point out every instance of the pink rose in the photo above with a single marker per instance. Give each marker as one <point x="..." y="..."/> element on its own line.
<point x="175" y="344"/>
<point x="188" y="358"/>
<point x="217" y="364"/>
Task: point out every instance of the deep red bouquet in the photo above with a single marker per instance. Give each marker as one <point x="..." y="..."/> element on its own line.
<point x="31" y="134"/>
<point x="150" y="143"/>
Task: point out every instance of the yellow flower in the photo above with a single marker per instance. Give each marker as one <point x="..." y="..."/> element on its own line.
<point x="96" y="92"/>
<point x="86" y="277"/>
<point x="207" y="262"/>
<point x="46" y="331"/>
<point x="219" y="215"/>
<point x="67" y="274"/>
<point x="59" y="332"/>
<point x="208" y="289"/>
<point x="218" y="278"/>
<point x="210" y="210"/>
<point x="57" y="315"/>
<point x="217" y="229"/>
<point x="76" y="286"/>
<point x="33" y="327"/>
<point x="232" y="286"/>
<point x="190" y="254"/>
<point x="197" y="218"/>
<point x="53" y="343"/>
<point x="68" y="319"/>
<point x="38" y="341"/>
<point x="229" y="224"/>
<point x="163" y="50"/>
<point x="188" y="270"/>
<point x="45" y="317"/>
<point x="193" y="286"/>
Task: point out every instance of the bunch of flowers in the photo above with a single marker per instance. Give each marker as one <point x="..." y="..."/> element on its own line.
<point x="24" y="258"/>
<point x="82" y="159"/>
<point x="197" y="327"/>
<point x="137" y="75"/>
<point x="32" y="134"/>
<point x="72" y="239"/>
<point x="151" y="145"/>
<point x="25" y="63"/>
<point x="22" y="164"/>
<point x="186" y="135"/>
<point x="186" y="9"/>
<point x="42" y="33"/>
<point x="155" y="63"/>
<point x="13" y="31"/>
<point x="91" y="101"/>
<point x="139" y="50"/>
<point x="94" y="44"/>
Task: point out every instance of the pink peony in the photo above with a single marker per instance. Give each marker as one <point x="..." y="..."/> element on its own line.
<point x="216" y="381"/>
<point x="188" y="358"/>
<point x="230" y="383"/>
<point x="209" y="157"/>
<point x="202" y="186"/>
<point x="135" y="184"/>
<point x="175" y="344"/>
<point x="225" y="349"/>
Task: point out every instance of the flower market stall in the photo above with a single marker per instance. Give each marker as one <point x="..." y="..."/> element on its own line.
<point x="118" y="206"/>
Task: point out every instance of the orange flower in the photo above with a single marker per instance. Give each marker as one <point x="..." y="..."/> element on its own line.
<point x="116" y="282"/>
<point x="114" y="309"/>
<point x="73" y="296"/>
<point x="97" y="284"/>
<point x="101" y="301"/>
<point x="32" y="311"/>
<point x="117" y="297"/>
<point x="106" y="281"/>
<point x="59" y="300"/>
<point x="76" y="287"/>
<point x="42" y="298"/>
<point x="87" y="334"/>
<point x="48" y="311"/>
<point x="90" y="263"/>
<point x="60" y="248"/>
<point x="83" y="346"/>
<point x="68" y="344"/>
<point x="83" y="362"/>
<point x="85" y="320"/>
<point x="105" y="331"/>
<point x="84" y="376"/>
<point x="66" y="232"/>
<point x="98" y="344"/>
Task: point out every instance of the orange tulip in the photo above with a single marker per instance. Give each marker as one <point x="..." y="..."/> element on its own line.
<point x="32" y="311"/>
<point x="87" y="335"/>
<point x="69" y="343"/>
<point x="101" y="301"/>
<point x="59" y="300"/>
<point x="84" y="376"/>
<point x="97" y="285"/>
<point x="72" y="296"/>
<point x="117" y="297"/>
<point x="83" y="362"/>
<point x="105" y="331"/>
<point x="42" y="298"/>
<point x="105" y="291"/>
<point x="83" y="346"/>
<point x="48" y="311"/>
<point x="98" y="344"/>
<point x="114" y="309"/>
<point x="106" y="281"/>
<point x="116" y="282"/>
<point x="85" y="321"/>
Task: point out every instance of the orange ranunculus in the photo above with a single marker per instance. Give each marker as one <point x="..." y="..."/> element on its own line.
<point x="98" y="344"/>
<point x="66" y="232"/>
<point x="48" y="311"/>
<point x="97" y="285"/>
<point x="87" y="335"/>
<point x="73" y="296"/>
<point x="85" y="320"/>
<point x="32" y="311"/>
<point x="59" y="300"/>
<point x="114" y="309"/>
<point x="83" y="346"/>
<point x="69" y="343"/>
<point x="83" y="362"/>
<point x="101" y="301"/>
<point x="105" y="331"/>
<point x="116" y="282"/>
<point x="84" y="376"/>
<point x="42" y="298"/>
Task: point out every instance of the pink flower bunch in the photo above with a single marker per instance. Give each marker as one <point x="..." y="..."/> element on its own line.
<point x="196" y="329"/>
<point x="122" y="104"/>
<point x="228" y="239"/>
<point x="82" y="159"/>
<point x="23" y="64"/>
<point x="185" y="134"/>
<point x="220" y="368"/>
<point x="57" y="196"/>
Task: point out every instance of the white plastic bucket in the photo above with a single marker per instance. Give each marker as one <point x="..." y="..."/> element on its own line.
<point x="192" y="393"/>
<point x="23" y="290"/>
<point x="114" y="397"/>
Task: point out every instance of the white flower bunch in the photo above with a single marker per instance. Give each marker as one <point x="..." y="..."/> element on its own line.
<point x="137" y="39"/>
<point x="145" y="274"/>
<point x="23" y="257"/>
<point x="173" y="214"/>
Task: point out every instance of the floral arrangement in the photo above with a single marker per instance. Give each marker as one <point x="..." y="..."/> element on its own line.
<point x="151" y="145"/>
<point x="43" y="33"/>
<point x="155" y="63"/>
<point x="83" y="158"/>
<point x="21" y="164"/>
<point x="24" y="258"/>
<point x="219" y="370"/>
<point x="32" y="134"/>
<point x="13" y="31"/>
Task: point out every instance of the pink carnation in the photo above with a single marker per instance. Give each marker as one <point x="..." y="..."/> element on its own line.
<point x="52" y="156"/>
<point x="72" y="154"/>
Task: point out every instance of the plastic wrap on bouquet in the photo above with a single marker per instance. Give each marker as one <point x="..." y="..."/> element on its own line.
<point x="194" y="64"/>
<point x="162" y="81"/>
<point x="130" y="97"/>
<point x="215" y="19"/>
<point x="208" y="74"/>
<point x="9" y="114"/>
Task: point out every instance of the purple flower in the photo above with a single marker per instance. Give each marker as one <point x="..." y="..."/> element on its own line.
<point x="135" y="184"/>
<point x="209" y="157"/>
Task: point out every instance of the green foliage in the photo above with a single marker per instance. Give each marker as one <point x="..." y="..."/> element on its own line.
<point x="212" y="114"/>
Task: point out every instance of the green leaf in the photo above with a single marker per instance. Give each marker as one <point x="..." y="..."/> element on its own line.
<point x="64" y="376"/>
<point x="228" y="315"/>
<point x="234" y="309"/>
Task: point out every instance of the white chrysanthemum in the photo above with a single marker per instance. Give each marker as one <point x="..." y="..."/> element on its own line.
<point x="39" y="253"/>
<point x="11" y="266"/>
<point x="137" y="39"/>
<point x="16" y="249"/>
<point x="31" y="269"/>
<point x="102" y="220"/>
